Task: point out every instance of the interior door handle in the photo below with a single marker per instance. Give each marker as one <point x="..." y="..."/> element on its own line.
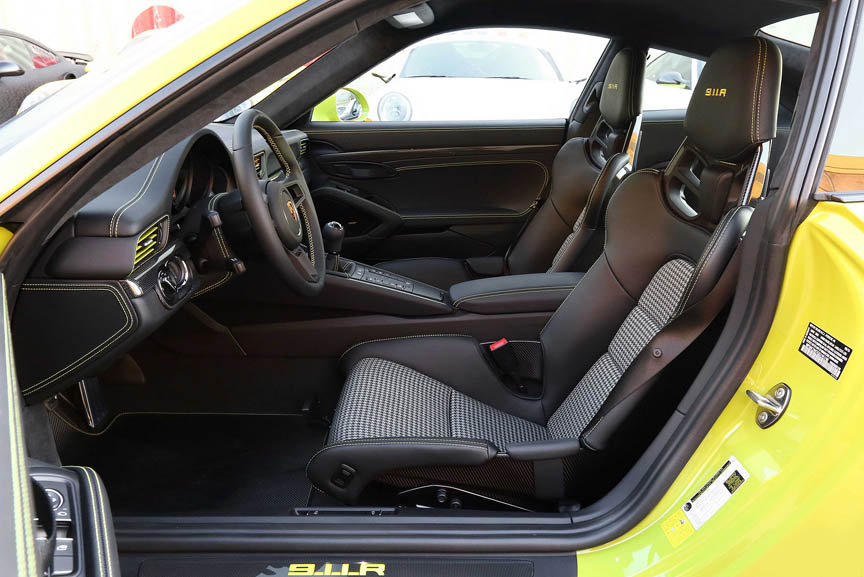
<point x="360" y="170"/>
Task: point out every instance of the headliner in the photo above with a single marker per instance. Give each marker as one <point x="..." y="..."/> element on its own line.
<point x="696" y="26"/>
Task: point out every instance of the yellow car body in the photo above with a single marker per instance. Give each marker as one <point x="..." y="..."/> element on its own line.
<point x="798" y="512"/>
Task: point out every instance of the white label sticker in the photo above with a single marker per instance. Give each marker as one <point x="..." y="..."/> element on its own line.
<point x="715" y="493"/>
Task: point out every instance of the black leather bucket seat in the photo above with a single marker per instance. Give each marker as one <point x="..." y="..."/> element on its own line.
<point x="583" y="172"/>
<point x="423" y="410"/>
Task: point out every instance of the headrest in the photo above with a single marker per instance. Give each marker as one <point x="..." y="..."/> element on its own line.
<point x="734" y="104"/>
<point x="621" y="98"/>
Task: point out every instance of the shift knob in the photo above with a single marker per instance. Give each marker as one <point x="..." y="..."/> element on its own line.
<point x="333" y="233"/>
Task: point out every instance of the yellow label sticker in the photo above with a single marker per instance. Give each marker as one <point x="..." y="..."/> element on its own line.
<point x="677" y="528"/>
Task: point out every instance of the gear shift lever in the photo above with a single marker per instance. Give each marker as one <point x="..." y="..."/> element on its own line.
<point x="332" y="234"/>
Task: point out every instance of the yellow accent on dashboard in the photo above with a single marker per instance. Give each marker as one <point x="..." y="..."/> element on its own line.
<point x="147" y="244"/>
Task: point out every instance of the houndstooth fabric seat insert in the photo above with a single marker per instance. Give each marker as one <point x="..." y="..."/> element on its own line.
<point x="384" y="399"/>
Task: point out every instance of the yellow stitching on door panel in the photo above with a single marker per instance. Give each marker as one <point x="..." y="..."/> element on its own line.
<point x="480" y="163"/>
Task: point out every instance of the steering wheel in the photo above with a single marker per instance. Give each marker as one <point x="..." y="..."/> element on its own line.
<point x="281" y="211"/>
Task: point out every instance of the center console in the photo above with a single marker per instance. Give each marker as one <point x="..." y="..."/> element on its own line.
<point x="374" y="289"/>
<point x="496" y="295"/>
<point x="357" y="286"/>
<point x="372" y="275"/>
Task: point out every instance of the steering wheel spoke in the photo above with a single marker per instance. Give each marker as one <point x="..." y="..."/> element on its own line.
<point x="300" y="258"/>
<point x="281" y="211"/>
<point x="299" y="194"/>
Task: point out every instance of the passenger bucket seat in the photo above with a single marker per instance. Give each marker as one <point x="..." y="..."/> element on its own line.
<point x="434" y="410"/>
<point x="583" y="172"/>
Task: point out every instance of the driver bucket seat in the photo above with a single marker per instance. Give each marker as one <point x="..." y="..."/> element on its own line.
<point x="583" y="172"/>
<point x="430" y="410"/>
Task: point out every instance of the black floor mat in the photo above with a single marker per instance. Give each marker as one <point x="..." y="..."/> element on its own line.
<point x="199" y="464"/>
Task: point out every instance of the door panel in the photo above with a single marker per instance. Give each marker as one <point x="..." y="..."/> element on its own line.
<point x="431" y="189"/>
<point x="662" y="132"/>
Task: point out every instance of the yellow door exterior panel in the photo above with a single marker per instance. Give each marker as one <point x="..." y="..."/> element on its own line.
<point x="800" y="512"/>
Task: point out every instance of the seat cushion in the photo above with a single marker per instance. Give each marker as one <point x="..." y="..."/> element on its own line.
<point x="383" y="399"/>
<point x="394" y="423"/>
<point x="456" y="360"/>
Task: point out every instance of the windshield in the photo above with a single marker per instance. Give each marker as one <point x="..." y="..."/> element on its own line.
<point x="479" y="59"/>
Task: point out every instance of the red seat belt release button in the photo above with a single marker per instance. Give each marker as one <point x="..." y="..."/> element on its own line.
<point x="497" y="345"/>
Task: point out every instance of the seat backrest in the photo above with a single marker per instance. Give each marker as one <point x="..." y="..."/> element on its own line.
<point x="579" y="162"/>
<point x="669" y="237"/>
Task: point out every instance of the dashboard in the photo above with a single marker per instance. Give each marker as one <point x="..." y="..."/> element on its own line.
<point x="126" y="261"/>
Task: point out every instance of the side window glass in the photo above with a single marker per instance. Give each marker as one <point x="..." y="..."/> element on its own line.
<point x="472" y="75"/>
<point x="40" y="57"/>
<point x="25" y="54"/>
<point x="16" y="50"/>
<point x="669" y="80"/>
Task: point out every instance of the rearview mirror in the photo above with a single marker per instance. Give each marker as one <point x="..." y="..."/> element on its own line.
<point x="345" y="105"/>
<point x="9" y="68"/>
<point x="672" y="77"/>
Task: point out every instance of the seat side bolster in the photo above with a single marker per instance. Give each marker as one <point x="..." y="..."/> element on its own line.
<point x="717" y="254"/>
<point x="619" y="411"/>
<point x="544" y="450"/>
<point x="371" y="457"/>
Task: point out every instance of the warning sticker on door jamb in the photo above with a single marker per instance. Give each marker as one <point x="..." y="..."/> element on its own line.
<point x="715" y="493"/>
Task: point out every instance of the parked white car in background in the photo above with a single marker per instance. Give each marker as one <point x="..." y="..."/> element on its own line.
<point x="468" y="77"/>
<point x="669" y="80"/>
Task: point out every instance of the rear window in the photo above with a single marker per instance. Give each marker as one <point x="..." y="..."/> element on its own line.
<point x="669" y="80"/>
<point x="798" y="30"/>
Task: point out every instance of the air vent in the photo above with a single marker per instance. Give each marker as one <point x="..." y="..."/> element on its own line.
<point x="148" y="243"/>
<point x="304" y="144"/>
<point x="258" y="159"/>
